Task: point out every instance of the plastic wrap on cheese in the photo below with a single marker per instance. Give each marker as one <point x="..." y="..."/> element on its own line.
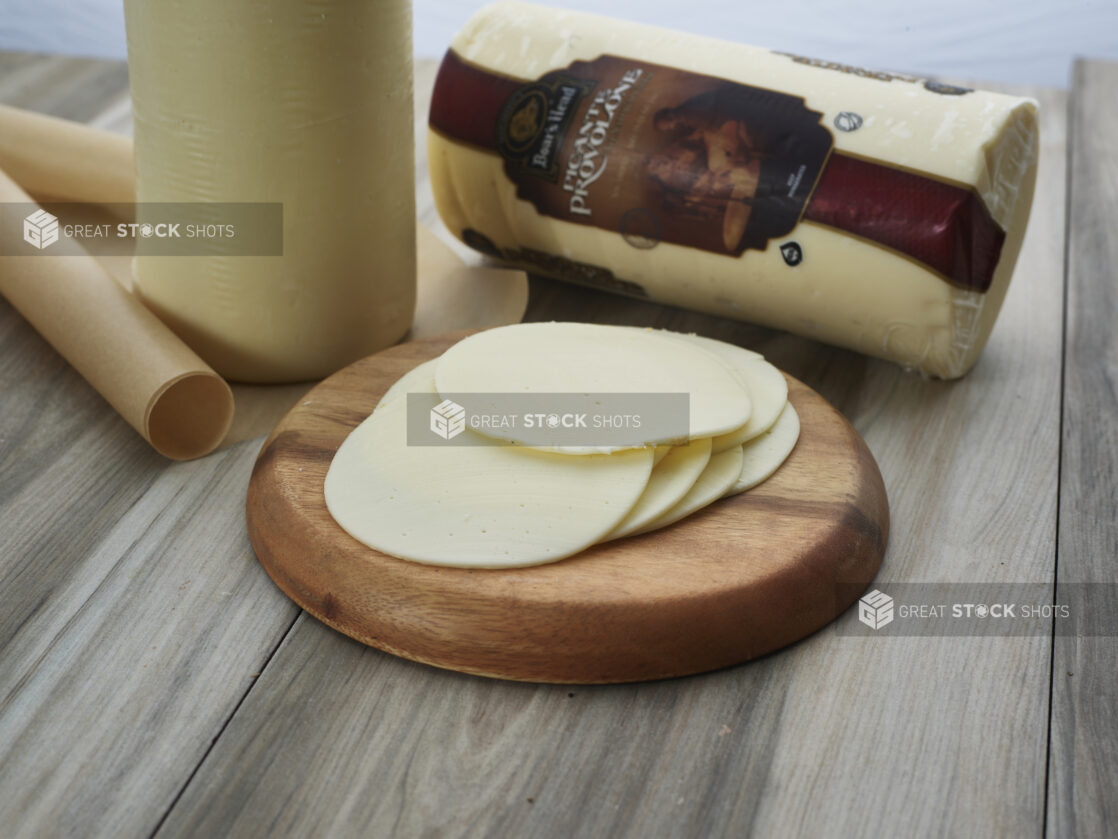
<point x="873" y="211"/>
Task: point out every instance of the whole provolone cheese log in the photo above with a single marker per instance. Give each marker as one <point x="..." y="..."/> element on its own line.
<point x="873" y="211"/>
<point x="300" y="102"/>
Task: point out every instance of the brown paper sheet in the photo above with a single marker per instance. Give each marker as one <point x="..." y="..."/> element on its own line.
<point x="153" y="380"/>
<point x="452" y="295"/>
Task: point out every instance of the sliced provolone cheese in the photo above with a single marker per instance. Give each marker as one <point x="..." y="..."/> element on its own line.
<point x="548" y="358"/>
<point x="420" y="379"/>
<point x="495" y="506"/>
<point x="484" y="503"/>
<point x="768" y="390"/>
<point x="719" y="475"/>
<point x="671" y="479"/>
<point x="763" y="456"/>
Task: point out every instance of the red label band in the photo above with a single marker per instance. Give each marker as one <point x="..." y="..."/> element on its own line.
<point x="467" y="102"/>
<point x="941" y="226"/>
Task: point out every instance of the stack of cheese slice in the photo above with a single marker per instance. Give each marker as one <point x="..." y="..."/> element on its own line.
<point x="509" y="504"/>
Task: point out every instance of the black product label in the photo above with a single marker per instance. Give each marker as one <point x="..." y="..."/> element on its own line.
<point x="660" y="154"/>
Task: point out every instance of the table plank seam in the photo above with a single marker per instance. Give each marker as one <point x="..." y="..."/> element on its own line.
<point x="1059" y="454"/>
<point x="232" y="714"/>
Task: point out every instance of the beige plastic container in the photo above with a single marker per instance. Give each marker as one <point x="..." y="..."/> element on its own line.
<point x="291" y="101"/>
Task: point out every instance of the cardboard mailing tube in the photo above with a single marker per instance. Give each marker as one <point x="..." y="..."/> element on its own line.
<point x="153" y="380"/>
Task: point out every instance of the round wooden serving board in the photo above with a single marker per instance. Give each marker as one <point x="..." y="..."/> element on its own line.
<point x="741" y="578"/>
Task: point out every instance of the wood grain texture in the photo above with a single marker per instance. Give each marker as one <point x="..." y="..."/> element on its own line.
<point x="921" y="737"/>
<point x="133" y="613"/>
<point x="745" y="576"/>
<point x="833" y="736"/>
<point x="948" y="736"/>
<point x="1083" y="777"/>
<point x="133" y="616"/>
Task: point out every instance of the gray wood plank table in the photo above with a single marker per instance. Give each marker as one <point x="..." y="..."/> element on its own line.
<point x="153" y="681"/>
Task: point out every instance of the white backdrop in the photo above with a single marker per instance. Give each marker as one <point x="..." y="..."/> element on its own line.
<point x="1024" y="41"/>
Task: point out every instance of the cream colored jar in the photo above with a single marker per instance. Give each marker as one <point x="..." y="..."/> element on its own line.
<point x="293" y="101"/>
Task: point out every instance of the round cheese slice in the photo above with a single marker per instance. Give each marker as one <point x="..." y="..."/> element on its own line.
<point x="488" y="506"/>
<point x="671" y="479"/>
<point x="767" y="387"/>
<point x="591" y="358"/>
<point x="719" y="475"/>
<point x="764" y="455"/>
<point x="420" y="379"/>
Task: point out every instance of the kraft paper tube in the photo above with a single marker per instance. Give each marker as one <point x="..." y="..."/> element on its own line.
<point x="56" y="158"/>
<point x="164" y="391"/>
